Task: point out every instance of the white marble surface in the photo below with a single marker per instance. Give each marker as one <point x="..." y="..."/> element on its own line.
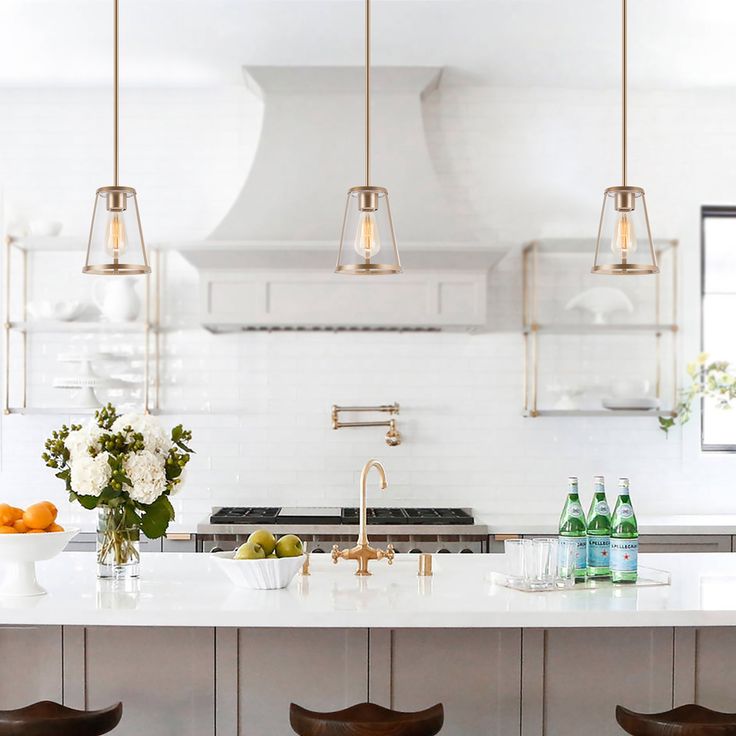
<point x="190" y="590"/>
<point x="659" y="524"/>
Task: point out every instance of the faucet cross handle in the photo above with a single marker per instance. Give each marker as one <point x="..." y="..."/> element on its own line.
<point x="388" y="555"/>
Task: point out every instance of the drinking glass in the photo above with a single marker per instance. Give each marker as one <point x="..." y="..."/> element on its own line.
<point x="517" y="560"/>
<point x="565" y="568"/>
<point x="541" y="574"/>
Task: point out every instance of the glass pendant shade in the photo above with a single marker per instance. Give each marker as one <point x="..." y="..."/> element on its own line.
<point x="624" y="245"/>
<point x="116" y="244"/>
<point x="368" y="242"/>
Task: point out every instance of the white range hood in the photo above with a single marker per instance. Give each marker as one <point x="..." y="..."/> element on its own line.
<point x="285" y="222"/>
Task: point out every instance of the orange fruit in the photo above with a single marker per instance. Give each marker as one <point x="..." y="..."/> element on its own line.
<point x="7" y="517"/>
<point x="54" y="511"/>
<point x="17" y="513"/>
<point x="20" y="526"/>
<point x="36" y="531"/>
<point x="55" y="528"/>
<point x="38" y="516"/>
<point x="7" y="530"/>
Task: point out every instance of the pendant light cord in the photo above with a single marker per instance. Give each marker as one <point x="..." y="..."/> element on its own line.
<point x="624" y="93"/>
<point x="367" y="92"/>
<point x="116" y="124"/>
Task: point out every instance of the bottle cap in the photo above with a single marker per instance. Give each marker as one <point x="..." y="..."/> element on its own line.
<point x="623" y="482"/>
<point x="573" y="479"/>
<point x="598" y="479"/>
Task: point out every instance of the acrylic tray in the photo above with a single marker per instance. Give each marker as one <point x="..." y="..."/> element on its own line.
<point x="649" y="577"/>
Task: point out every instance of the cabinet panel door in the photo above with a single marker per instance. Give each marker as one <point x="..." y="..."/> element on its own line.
<point x="165" y="677"/>
<point x="320" y="669"/>
<point x="587" y="672"/>
<point x="685" y="543"/>
<point x="715" y="650"/>
<point x="32" y="665"/>
<point x="474" y="673"/>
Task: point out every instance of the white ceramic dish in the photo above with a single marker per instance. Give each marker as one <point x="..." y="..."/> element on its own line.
<point x="64" y="311"/>
<point x="19" y="554"/>
<point x="601" y="302"/>
<point x="269" y="574"/>
<point x="630" y="403"/>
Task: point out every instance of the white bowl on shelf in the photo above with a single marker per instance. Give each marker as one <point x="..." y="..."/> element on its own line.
<point x="63" y="311"/>
<point x="19" y="554"/>
<point x="272" y="573"/>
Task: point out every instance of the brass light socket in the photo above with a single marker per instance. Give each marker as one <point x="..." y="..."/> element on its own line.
<point x="368" y="201"/>
<point x="116" y="200"/>
<point x="625" y="200"/>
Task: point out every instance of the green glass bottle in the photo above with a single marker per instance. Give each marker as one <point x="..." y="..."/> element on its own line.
<point x="599" y="532"/>
<point x="572" y="529"/>
<point x="624" y="538"/>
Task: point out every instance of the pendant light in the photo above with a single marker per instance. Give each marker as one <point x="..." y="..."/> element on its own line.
<point x="624" y="217"/>
<point x="116" y="244"/>
<point x="368" y="242"/>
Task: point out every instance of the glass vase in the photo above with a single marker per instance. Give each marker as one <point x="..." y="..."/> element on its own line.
<point x="118" y="545"/>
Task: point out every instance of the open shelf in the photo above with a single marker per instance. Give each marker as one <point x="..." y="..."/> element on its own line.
<point x="598" y="413"/>
<point x="41" y="326"/>
<point x="561" y="329"/>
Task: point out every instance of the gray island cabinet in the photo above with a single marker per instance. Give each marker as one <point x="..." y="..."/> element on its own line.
<point x="190" y="655"/>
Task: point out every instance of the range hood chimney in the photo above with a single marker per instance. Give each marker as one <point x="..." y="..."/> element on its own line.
<point x="310" y="153"/>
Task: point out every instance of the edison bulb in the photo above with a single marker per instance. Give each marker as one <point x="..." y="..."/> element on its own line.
<point x="623" y="242"/>
<point x="367" y="240"/>
<point x="116" y="238"/>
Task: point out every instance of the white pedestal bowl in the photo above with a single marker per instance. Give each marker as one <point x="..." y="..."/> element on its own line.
<point x="19" y="554"/>
<point x="272" y="573"/>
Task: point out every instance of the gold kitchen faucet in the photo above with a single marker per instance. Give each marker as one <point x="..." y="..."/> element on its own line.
<point x="363" y="553"/>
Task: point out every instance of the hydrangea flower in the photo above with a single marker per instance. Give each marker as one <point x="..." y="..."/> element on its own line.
<point x="90" y="475"/>
<point x="146" y="472"/>
<point x="154" y="437"/>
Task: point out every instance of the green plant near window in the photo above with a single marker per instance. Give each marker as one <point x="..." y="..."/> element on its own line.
<point x="711" y="380"/>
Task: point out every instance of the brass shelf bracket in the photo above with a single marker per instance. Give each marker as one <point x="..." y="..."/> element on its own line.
<point x="393" y="437"/>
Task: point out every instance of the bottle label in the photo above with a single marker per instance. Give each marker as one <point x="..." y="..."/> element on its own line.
<point x="624" y="555"/>
<point x="575" y="510"/>
<point x="602" y="509"/>
<point x="599" y="551"/>
<point x="625" y="511"/>
<point x="579" y="549"/>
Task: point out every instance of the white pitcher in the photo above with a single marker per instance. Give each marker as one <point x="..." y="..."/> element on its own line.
<point x="117" y="299"/>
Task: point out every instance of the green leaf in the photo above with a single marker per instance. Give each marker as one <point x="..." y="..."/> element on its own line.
<point x="156" y="517"/>
<point x="184" y="447"/>
<point x="88" y="502"/>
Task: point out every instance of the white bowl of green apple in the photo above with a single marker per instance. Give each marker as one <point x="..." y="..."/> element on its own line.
<point x="263" y="562"/>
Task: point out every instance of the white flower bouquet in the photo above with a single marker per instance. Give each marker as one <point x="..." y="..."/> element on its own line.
<point x="126" y="466"/>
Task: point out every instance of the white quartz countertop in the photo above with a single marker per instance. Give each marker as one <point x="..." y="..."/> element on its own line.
<point x="190" y="590"/>
<point x="648" y="524"/>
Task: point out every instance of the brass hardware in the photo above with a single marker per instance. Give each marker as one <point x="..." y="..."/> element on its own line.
<point x="363" y="553"/>
<point x="425" y="565"/>
<point x="305" y="567"/>
<point x="178" y="536"/>
<point x="393" y="437"/>
<point x="504" y="537"/>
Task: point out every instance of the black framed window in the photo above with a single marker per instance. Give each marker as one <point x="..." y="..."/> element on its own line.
<point x="718" y="315"/>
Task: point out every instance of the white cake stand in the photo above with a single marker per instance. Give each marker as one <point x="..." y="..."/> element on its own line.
<point x="19" y="554"/>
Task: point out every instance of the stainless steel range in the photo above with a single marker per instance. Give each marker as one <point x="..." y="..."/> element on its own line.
<point x="435" y="530"/>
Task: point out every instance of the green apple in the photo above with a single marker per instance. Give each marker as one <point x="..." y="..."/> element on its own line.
<point x="250" y="551"/>
<point x="289" y="546"/>
<point x="265" y="539"/>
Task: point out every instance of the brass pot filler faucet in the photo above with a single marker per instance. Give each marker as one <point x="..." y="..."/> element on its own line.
<point x="393" y="438"/>
<point x="363" y="553"/>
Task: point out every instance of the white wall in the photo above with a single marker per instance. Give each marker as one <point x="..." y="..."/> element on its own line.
<point x="519" y="164"/>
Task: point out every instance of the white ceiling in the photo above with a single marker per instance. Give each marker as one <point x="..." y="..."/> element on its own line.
<point x="571" y="43"/>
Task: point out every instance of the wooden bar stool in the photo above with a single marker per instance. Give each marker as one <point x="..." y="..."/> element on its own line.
<point x="51" y="719"/>
<point x="366" y="719"/>
<point x="687" y="720"/>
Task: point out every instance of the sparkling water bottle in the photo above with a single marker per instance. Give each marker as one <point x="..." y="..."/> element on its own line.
<point x="624" y="538"/>
<point x="599" y="532"/>
<point x="572" y="529"/>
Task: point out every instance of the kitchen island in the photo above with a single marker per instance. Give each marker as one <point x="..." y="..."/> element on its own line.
<point x="190" y="654"/>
